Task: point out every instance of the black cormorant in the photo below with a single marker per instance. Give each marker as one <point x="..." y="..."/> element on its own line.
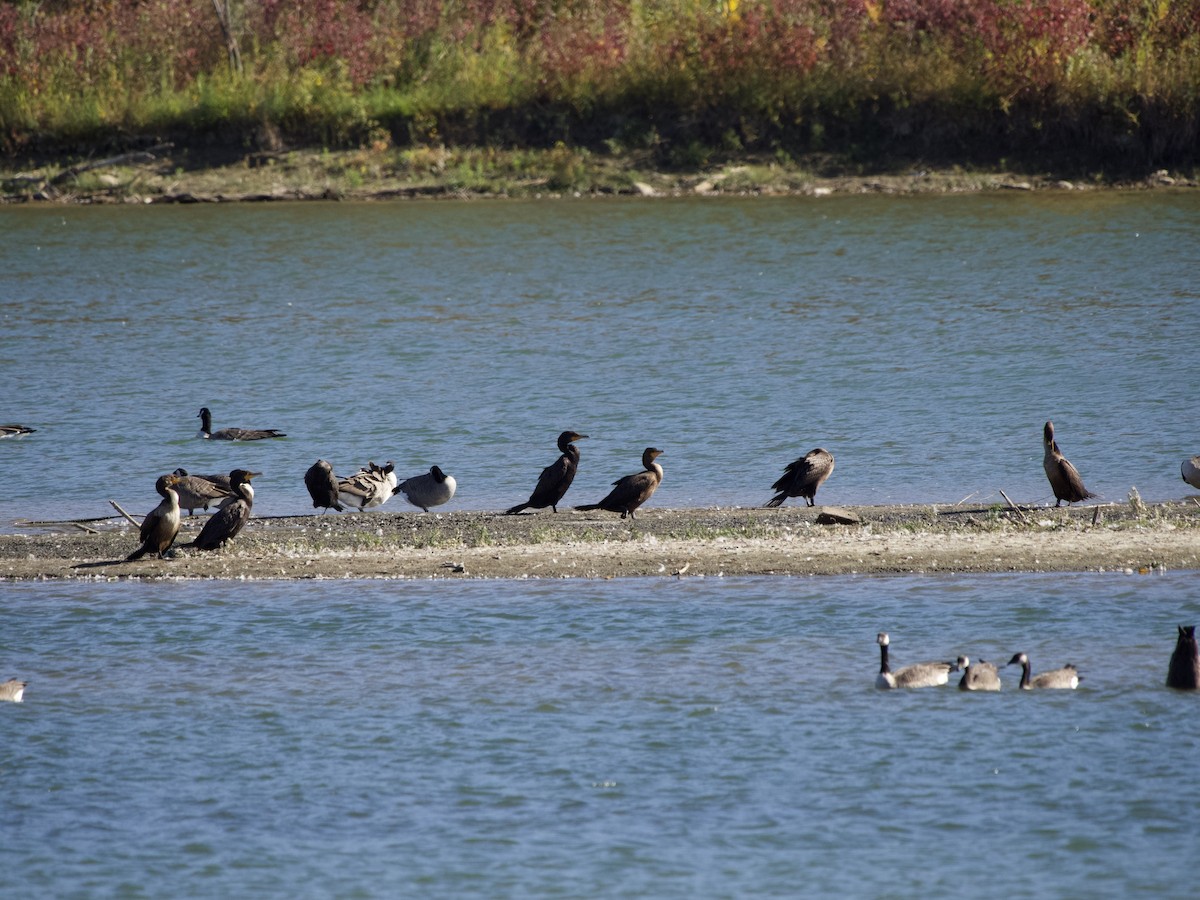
<point x="225" y="524"/>
<point x="322" y="486"/>
<point x="1184" y="671"/>
<point x="161" y="524"/>
<point x="802" y="477"/>
<point x="1064" y="477"/>
<point x="632" y="491"/>
<point x="555" y="478"/>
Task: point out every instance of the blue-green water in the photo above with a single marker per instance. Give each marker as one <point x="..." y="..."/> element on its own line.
<point x="924" y="341"/>
<point x="656" y="738"/>
<point x="648" y="738"/>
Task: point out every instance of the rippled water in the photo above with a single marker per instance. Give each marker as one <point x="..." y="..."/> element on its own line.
<point x="922" y="340"/>
<point x="665" y="738"/>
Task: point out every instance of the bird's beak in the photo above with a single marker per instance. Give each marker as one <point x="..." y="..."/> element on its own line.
<point x="250" y="475"/>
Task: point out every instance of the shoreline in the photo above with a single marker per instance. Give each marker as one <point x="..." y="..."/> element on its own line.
<point x="889" y="540"/>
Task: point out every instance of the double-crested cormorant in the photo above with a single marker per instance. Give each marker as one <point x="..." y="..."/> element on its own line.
<point x="1064" y="478"/>
<point x="161" y="524"/>
<point x="433" y="488"/>
<point x="13" y="690"/>
<point x="1184" y="671"/>
<point x="7" y="431"/>
<point x="202" y="491"/>
<point x="802" y="477"/>
<point x="632" y="491"/>
<point x="555" y="478"/>
<point x="322" y="486"/>
<point x="1065" y="678"/>
<point x="918" y="675"/>
<point x="372" y="486"/>
<point x="980" y="676"/>
<point x="1190" y="470"/>
<point x="233" y="434"/>
<point x="225" y="524"/>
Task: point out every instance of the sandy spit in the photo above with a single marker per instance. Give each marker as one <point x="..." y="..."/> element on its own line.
<point x="661" y="542"/>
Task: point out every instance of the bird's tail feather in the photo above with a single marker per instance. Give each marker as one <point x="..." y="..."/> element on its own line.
<point x="777" y="500"/>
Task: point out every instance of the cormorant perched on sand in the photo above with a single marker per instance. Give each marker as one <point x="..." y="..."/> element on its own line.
<point x="555" y="478"/>
<point x="802" y="477"/>
<point x="201" y="491"/>
<point x="1184" y="671"/>
<point x="233" y="434"/>
<point x="161" y="524"/>
<point x="225" y="524"/>
<point x="632" y="491"/>
<point x="1066" y="678"/>
<point x="1064" y="477"/>
<point x="433" y="488"/>
<point x="1190" y="470"/>
<point x="15" y="430"/>
<point x="13" y="690"/>
<point x="322" y="486"/>
<point x="372" y="486"/>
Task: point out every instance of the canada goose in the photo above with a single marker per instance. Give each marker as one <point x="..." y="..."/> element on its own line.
<point x="369" y="487"/>
<point x="232" y="434"/>
<point x="1190" y="470"/>
<point x="224" y="525"/>
<point x="918" y="675"/>
<point x="1184" y="671"/>
<point x="13" y="690"/>
<point x="1064" y="678"/>
<point x="161" y="524"/>
<point x="322" y="486"/>
<point x="980" y="676"/>
<point x="1064" y="477"/>
<point x="433" y="488"/>
<point x="7" y="431"/>
<point x="202" y="491"/>
<point x="632" y="491"/>
<point x="555" y="478"/>
<point x="802" y="477"/>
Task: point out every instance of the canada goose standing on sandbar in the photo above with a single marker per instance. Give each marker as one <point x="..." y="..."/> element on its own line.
<point x="979" y="676"/>
<point x="224" y="525"/>
<point x="372" y="486"/>
<point x="161" y="524"/>
<point x="802" y="477"/>
<point x="1065" y="678"/>
<point x="201" y="491"/>
<point x="1190" y="470"/>
<point x="555" y="478"/>
<point x="1064" y="477"/>
<point x="1184" y="671"/>
<point x="632" y="491"/>
<point x="232" y="434"/>
<point x="917" y="675"/>
<point x="433" y="488"/>
<point x="7" y="431"/>
<point x="13" y="691"/>
<point x="322" y="486"/>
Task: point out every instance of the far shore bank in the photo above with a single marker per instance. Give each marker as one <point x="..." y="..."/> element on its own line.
<point x="940" y="540"/>
<point x="163" y="174"/>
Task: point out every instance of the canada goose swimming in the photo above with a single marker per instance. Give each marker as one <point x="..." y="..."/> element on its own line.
<point x="1064" y="678"/>
<point x="1190" y="470"/>
<point x="1184" y="671"/>
<point x="802" y="477"/>
<point x="555" y="478"/>
<point x="1064" y="477"/>
<point x="7" y="431"/>
<point x="232" y="434"/>
<point x="433" y="488"/>
<point x="161" y="524"/>
<point x="202" y="491"/>
<point x="980" y="676"/>
<point x="322" y="486"/>
<point x="224" y="525"/>
<point x="369" y="487"/>
<point x="632" y="491"/>
<point x="918" y="675"/>
<point x="13" y="690"/>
